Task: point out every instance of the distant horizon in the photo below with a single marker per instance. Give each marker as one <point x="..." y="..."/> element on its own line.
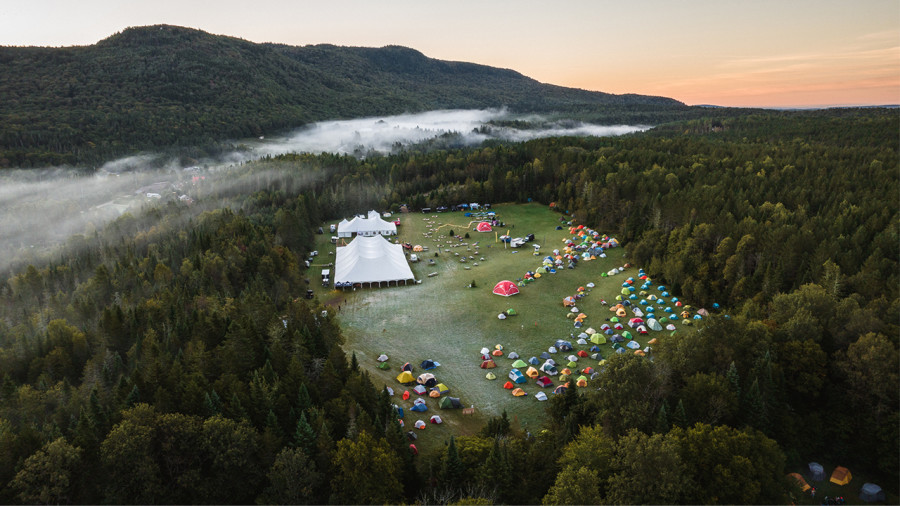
<point x="804" y="54"/>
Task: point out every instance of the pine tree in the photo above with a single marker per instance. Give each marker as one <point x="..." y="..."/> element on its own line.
<point x="755" y="408"/>
<point x="212" y="404"/>
<point x="304" y="436"/>
<point x="662" y="420"/>
<point x="452" y="469"/>
<point x="679" y="418"/>
<point x="133" y="398"/>
<point x="734" y="379"/>
<point x="303" y="400"/>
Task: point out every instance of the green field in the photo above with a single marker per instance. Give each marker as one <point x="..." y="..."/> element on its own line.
<point x="444" y="320"/>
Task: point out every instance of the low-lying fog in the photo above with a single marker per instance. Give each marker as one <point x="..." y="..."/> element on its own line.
<point x="470" y="127"/>
<point x="43" y="207"/>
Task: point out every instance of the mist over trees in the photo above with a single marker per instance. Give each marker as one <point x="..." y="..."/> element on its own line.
<point x="171" y="349"/>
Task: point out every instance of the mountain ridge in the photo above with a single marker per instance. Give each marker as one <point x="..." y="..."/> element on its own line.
<point x="161" y="86"/>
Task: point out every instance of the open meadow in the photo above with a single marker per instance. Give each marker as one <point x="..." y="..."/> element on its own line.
<point x="445" y="320"/>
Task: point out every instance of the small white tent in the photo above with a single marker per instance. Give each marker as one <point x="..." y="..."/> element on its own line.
<point x="372" y="261"/>
<point x="366" y="226"/>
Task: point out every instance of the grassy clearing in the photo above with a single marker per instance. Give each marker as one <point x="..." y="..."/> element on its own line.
<point x="444" y="320"/>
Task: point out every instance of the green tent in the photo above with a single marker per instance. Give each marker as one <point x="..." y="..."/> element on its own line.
<point x="450" y="403"/>
<point x="519" y="364"/>
<point x="614" y="319"/>
<point x="383" y="366"/>
<point x="604" y="275"/>
<point x="598" y="339"/>
<point x="627" y="335"/>
<point x="541" y="270"/>
<point x="625" y="291"/>
<point x="511" y="312"/>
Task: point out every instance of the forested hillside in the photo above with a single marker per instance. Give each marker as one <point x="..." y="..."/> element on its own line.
<point x="161" y="87"/>
<point x="152" y="349"/>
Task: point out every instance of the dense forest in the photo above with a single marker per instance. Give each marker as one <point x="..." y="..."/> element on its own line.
<point x="166" y="87"/>
<point x="169" y="357"/>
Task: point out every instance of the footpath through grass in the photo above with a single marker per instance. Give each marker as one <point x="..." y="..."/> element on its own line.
<point x="444" y="320"/>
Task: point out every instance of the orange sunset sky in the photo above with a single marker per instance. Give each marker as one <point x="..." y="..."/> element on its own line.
<point x="761" y="53"/>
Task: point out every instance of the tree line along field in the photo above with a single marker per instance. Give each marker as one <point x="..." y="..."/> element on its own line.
<point x="152" y="345"/>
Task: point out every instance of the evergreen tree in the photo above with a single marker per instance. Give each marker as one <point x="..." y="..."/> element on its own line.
<point x="679" y="418"/>
<point x="662" y="420"/>
<point x="133" y="398"/>
<point x="452" y="469"/>
<point x="734" y="380"/>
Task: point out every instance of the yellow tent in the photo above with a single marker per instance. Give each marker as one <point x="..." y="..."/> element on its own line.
<point x="406" y="377"/>
<point x="841" y="476"/>
<point x="531" y="372"/>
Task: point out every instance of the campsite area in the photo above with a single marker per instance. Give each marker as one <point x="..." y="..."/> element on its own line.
<point x="445" y="320"/>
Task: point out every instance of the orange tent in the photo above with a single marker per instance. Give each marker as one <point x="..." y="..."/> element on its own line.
<point x="518" y="392"/>
<point x="841" y="476"/>
<point x="800" y="481"/>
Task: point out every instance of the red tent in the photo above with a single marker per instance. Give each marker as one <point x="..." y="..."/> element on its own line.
<point x="506" y="288"/>
<point x="483" y="227"/>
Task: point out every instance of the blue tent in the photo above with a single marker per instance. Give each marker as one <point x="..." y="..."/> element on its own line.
<point x="429" y="364"/>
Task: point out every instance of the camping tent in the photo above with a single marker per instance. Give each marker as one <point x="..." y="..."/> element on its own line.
<point x="484" y="226"/>
<point x="436" y="419"/>
<point x="382" y="357"/>
<point x="441" y="389"/>
<point x="506" y="288"/>
<point x="509" y="385"/>
<point x="871" y="492"/>
<point x="373" y="261"/>
<point x="406" y="378"/>
<point x="519" y="363"/>
<point x="816" y="471"/>
<point x="420" y="425"/>
<point x="517" y="377"/>
<point x="429" y="364"/>
<point x="800" y="481"/>
<point x="519" y="392"/>
<point x="427" y="379"/>
<point x="531" y="372"/>
<point x="544" y="382"/>
<point x="490" y="376"/>
<point x="450" y="403"/>
<point x="841" y="476"/>
<point x="488" y="364"/>
<point x="420" y="389"/>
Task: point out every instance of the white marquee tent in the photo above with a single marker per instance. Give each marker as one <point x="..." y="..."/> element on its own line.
<point x="371" y="260"/>
<point x="366" y="226"/>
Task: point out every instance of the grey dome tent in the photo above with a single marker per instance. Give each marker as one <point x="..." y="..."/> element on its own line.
<point x="871" y="492"/>
<point x="816" y="471"/>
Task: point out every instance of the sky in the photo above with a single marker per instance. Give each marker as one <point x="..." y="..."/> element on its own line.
<point x="760" y="53"/>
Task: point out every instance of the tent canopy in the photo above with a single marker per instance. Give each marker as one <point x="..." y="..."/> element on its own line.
<point x="505" y="288"/>
<point x="366" y="226"/>
<point x="371" y="260"/>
